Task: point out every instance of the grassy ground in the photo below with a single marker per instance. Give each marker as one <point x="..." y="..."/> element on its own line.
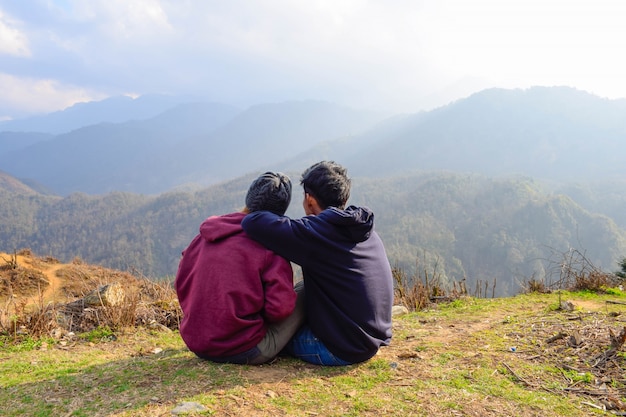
<point x="469" y="357"/>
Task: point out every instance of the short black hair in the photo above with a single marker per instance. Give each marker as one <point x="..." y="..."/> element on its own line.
<point x="328" y="182"/>
<point x="270" y="191"/>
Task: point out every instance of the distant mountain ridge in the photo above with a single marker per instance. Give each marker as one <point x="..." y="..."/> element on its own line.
<point x="116" y="109"/>
<point x="13" y="185"/>
<point x="552" y="133"/>
<point x="14" y="141"/>
<point x="201" y="143"/>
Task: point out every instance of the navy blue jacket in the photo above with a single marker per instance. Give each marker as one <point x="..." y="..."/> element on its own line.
<point x="347" y="276"/>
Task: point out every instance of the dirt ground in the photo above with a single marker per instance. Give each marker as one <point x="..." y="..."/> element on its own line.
<point x="473" y="340"/>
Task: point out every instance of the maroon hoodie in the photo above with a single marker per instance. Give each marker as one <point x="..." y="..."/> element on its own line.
<point x="229" y="287"/>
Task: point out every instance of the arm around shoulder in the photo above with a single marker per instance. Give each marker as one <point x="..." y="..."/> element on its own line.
<point x="284" y="236"/>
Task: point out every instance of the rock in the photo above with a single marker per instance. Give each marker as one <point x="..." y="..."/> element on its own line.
<point x="188" y="407"/>
<point x="158" y="326"/>
<point x="399" y="310"/>
<point x="105" y="295"/>
<point x="567" y="306"/>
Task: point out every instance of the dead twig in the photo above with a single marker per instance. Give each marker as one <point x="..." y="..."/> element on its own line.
<point x="617" y="341"/>
<point x="556" y="337"/>
<point x="519" y="378"/>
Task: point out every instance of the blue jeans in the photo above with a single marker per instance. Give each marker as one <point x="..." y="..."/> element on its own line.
<point x="304" y="345"/>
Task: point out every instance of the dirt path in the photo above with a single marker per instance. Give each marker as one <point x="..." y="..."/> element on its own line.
<point x="49" y="270"/>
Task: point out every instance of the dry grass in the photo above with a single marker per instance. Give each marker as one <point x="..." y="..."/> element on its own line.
<point x="451" y="359"/>
<point x="461" y="357"/>
<point x="68" y="298"/>
<point x="572" y="271"/>
<point x="420" y="291"/>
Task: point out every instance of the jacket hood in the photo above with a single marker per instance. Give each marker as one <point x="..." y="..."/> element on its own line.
<point x="220" y="227"/>
<point x="356" y="223"/>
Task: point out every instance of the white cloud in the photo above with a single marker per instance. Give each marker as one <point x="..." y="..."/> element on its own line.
<point x="402" y="55"/>
<point x="39" y="95"/>
<point x="534" y="42"/>
<point x="122" y="19"/>
<point x="12" y="40"/>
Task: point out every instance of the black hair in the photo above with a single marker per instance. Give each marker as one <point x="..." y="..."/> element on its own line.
<point x="328" y="182"/>
<point x="270" y="191"/>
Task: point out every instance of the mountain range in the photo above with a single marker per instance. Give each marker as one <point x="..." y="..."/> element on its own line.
<point x="482" y="187"/>
<point x="191" y="143"/>
<point x="554" y="133"/>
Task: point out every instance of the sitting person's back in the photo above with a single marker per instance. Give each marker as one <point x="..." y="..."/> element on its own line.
<point x="236" y="294"/>
<point x="347" y="276"/>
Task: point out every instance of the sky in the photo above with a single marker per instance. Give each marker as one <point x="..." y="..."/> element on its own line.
<point x="390" y="55"/>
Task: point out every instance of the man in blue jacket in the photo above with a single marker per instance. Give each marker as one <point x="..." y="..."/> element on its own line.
<point x="347" y="277"/>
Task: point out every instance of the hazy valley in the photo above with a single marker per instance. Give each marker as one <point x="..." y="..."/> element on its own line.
<point x="494" y="186"/>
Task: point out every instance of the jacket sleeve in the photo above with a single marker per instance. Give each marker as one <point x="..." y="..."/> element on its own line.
<point x="280" y="297"/>
<point x="287" y="237"/>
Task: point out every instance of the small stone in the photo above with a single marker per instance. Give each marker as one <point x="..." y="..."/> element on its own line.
<point x="153" y="325"/>
<point x="399" y="310"/>
<point x="188" y="407"/>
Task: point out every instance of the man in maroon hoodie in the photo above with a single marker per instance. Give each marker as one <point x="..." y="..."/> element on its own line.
<point x="237" y="297"/>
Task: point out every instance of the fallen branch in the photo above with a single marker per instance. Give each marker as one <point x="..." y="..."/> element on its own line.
<point x="556" y="337"/>
<point x="519" y="378"/>
<point x="616" y="344"/>
<point x="617" y="341"/>
<point x="527" y="383"/>
<point x="599" y="407"/>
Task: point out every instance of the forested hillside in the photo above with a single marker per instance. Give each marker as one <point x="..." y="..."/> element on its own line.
<point x="455" y="226"/>
<point x="485" y="229"/>
<point x="491" y="187"/>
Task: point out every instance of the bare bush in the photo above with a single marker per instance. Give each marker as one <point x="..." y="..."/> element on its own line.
<point x="534" y="285"/>
<point x="418" y="291"/>
<point x="409" y="292"/>
<point x="18" y="319"/>
<point x="573" y="271"/>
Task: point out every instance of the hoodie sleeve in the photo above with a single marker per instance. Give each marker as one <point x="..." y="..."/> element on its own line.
<point x="280" y="297"/>
<point x="287" y="237"/>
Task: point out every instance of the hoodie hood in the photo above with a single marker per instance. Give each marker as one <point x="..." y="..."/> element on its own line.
<point x="356" y="223"/>
<point x="220" y="227"/>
